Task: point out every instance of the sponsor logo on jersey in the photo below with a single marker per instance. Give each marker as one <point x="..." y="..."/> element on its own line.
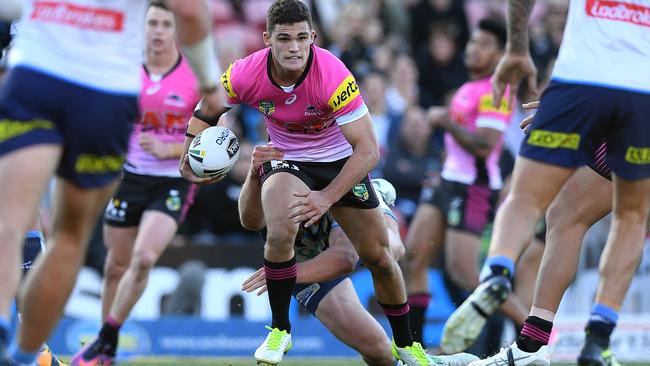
<point x="485" y="105"/>
<point x="175" y="100"/>
<point x="638" y="155"/>
<point x="98" y="164"/>
<point x="291" y="99"/>
<point x="344" y="94"/>
<point x="311" y="111"/>
<point x="619" y="11"/>
<point x="227" y="85"/>
<point x="153" y="89"/>
<point x="281" y="164"/>
<point x="85" y="17"/>
<point x="12" y="128"/>
<point x="554" y="140"/>
<point x="266" y="107"/>
<point x="361" y="191"/>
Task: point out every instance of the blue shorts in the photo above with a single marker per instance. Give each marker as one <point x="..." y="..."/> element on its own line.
<point x="573" y="120"/>
<point x="310" y="295"/>
<point x="92" y="126"/>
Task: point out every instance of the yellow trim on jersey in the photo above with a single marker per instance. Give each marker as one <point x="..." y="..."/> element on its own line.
<point x="485" y="105"/>
<point x="227" y="85"/>
<point x="344" y="94"/>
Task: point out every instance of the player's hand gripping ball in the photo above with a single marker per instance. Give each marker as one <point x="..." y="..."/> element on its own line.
<point x="213" y="152"/>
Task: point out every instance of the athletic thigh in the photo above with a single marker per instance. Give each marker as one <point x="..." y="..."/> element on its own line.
<point x="584" y="199"/>
<point x="344" y="315"/>
<point x="366" y="229"/>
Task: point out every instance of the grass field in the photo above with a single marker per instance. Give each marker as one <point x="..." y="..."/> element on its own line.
<point x="233" y="361"/>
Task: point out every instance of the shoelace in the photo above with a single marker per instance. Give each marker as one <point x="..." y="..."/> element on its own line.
<point x="275" y="338"/>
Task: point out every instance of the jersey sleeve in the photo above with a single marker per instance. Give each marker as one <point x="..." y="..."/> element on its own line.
<point x="490" y="116"/>
<point x="230" y="81"/>
<point x="344" y="96"/>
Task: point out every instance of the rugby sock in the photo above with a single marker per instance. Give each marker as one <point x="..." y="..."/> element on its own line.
<point x="280" y="278"/>
<point x="21" y="357"/>
<point x="534" y="334"/>
<point x="602" y="322"/>
<point x="419" y="303"/>
<point x="5" y="331"/>
<point x="398" y="317"/>
<point x="497" y="266"/>
<point x="110" y="333"/>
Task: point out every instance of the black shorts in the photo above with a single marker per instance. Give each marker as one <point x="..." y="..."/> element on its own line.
<point x="93" y="127"/>
<point x="467" y="207"/>
<point x="318" y="175"/>
<point x="139" y="193"/>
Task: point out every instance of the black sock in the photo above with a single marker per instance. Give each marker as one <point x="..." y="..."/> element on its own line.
<point x="419" y="303"/>
<point x="398" y="317"/>
<point x="280" y="278"/>
<point x="109" y="335"/>
<point x="600" y="331"/>
<point x="534" y="334"/>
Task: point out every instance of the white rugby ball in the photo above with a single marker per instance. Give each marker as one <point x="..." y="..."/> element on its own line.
<point x="213" y="152"/>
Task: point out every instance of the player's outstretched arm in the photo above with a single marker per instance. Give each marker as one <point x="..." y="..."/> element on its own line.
<point x="339" y="260"/>
<point x="251" y="214"/>
<point x="194" y="31"/>
<point x="516" y="63"/>
<point x="310" y="206"/>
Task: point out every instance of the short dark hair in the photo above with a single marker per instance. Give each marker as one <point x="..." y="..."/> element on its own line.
<point x="497" y="28"/>
<point x="287" y="12"/>
<point x="159" y="4"/>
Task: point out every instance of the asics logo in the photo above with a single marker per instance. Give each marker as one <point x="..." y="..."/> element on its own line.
<point x="152" y="89"/>
<point x="291" y="99"/>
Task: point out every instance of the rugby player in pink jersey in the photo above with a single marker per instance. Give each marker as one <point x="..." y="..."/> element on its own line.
<point x="143" y="216"/>
<point x="458" y="209"/>
<point x="67" y="107"/>
<point x="596" y="92"/>
<point x="315" y="115"/>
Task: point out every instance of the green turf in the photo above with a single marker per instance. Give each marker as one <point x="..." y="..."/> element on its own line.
<point x="289" y="361"/>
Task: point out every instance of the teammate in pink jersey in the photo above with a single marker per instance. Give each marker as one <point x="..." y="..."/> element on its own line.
<point x="464" y="202"/>
<point x="68" y="104"/>
<point x="315" y="115"/>
<point x="597" y="92"/>
<point x="143" y="216"/>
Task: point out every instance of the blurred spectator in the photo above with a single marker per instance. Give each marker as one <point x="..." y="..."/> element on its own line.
<point x="403" y="90"/>
<point x="186" y="298"/>
<point x="411" y="159"/>
<point x="441" y="66"/>
<point x="547" y="35"/>
<point x="373" y="89"/>
<point x="424" y="13"/>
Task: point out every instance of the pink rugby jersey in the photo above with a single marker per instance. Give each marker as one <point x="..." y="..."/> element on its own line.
<point x="472" y="108"/>
<point x="166" y="105"/>
<point x="303" y="121"/>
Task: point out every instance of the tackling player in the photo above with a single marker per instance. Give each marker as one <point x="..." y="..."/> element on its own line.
<point x="315" y="115"/>
<point x="143" y="216"/>
<point x="67" y="107"/>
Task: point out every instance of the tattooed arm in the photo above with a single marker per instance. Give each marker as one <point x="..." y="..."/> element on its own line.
<point x="516" y="63"/>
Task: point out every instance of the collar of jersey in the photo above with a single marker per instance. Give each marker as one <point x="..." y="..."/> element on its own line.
<point x="269" y="60"/>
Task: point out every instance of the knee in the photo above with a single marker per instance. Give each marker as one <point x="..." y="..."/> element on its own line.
<point x="114" y="270"/>
<point x="142" y="262"/>
<point x="280" y="237"/>
<point x="379" y="261"/>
